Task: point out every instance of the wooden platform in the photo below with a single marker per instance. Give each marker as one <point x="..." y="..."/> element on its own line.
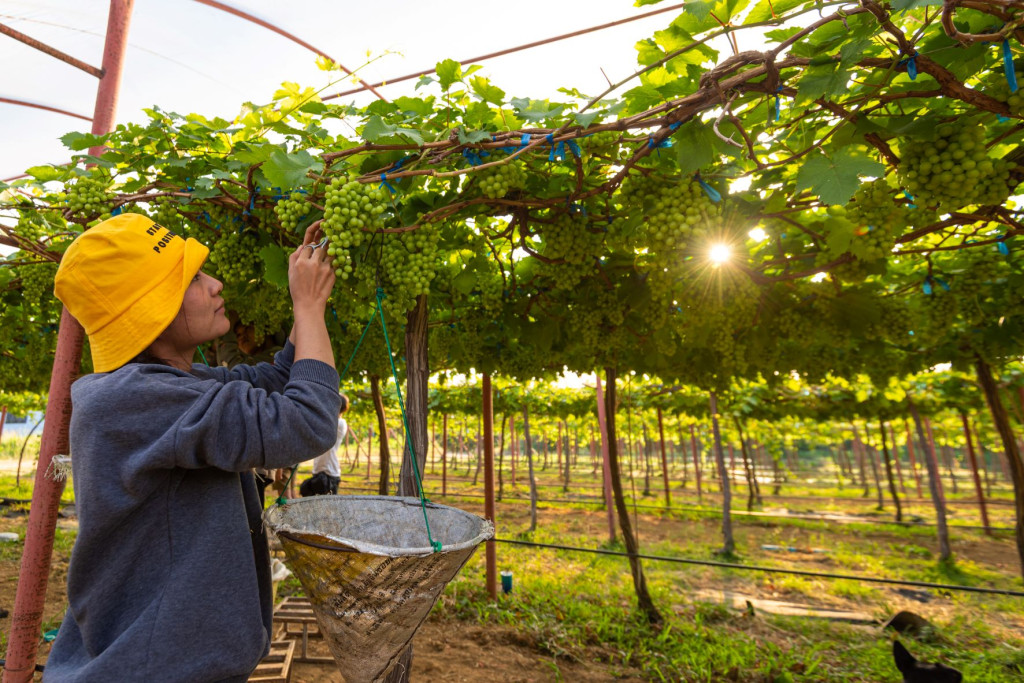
<point x="294" y="620"/>
<point x="739" y="601"/>
<point x="276" y="667"/>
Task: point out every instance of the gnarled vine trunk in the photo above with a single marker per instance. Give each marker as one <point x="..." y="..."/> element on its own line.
<point x="1002" y="423"/>
<point x="382" y="428"/>
<point x="728" y="545"/>
<point x="632" y="546"/>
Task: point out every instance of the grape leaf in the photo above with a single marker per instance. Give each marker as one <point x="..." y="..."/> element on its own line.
<point x="448" y="72"/>
<point x="289" y="170"/>
<point x="695" y="147"/>
<point x="835" y="179"/>
<point x="275" y="265"/>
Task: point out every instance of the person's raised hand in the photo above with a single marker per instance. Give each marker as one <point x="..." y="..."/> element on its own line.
<point x="310" y="273"/>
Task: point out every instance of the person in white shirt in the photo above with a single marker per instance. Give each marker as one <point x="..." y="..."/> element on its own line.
<point x="326" y="470"/>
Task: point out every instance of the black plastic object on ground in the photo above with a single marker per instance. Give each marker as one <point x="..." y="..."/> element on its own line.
<point x="369" y="570"/>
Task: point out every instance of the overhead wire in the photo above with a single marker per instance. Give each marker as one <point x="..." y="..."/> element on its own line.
<point x="507" y="51"/>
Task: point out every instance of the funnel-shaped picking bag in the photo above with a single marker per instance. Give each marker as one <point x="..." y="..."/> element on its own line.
<point x="367" y="566"/>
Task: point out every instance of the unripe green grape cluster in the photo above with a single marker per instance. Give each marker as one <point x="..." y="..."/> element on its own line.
<point x="290" y="210"/>
<point x="37" y="282"/>
<point x="576" y="244"/>
<point x="492" y="291"/>
<point x="954" y="169"/>
<point x="267" y="308"/>
<point x="497" y="181"/>
<point x="677" y="214"/>
<point x="164" y="211"/>
<point x="408" y="264"/>
<point x="88" y="198"/>
<point x="876" y="218"/>
<point x="350" y="208"/>
<point x="235" y="257"/>
<point x="996" y="86"/>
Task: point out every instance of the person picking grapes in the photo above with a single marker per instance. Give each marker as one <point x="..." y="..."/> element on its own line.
<point x="169" y="577"/>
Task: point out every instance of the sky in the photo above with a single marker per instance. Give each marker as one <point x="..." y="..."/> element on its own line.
<point x="187" y="57"/>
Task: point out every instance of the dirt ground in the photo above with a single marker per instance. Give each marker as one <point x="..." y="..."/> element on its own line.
<point x="450" y="650"/>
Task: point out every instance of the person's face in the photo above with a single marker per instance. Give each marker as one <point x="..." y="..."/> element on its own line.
<point x="202" y="317"/>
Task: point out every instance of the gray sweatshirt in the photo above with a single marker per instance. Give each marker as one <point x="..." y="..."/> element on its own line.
<point x="169" y="577"/>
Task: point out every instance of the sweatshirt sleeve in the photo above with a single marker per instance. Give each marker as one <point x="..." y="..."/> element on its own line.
<point x="268" y="376"/>
<point x="235" y="425"/>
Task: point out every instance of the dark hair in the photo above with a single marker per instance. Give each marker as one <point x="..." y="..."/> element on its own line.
<point x="344" y="404"/>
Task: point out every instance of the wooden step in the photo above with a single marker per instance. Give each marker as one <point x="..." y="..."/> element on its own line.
<point x="276" y="667"/>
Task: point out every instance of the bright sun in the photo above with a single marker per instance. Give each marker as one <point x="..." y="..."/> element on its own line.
<point x="720" y="253"/>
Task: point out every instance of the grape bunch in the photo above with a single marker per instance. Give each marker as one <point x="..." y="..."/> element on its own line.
<point x="351" y="207"/>
<point x="37" y="282"/>
<point x="996" y="86"/>
<point x="408" y="263"/>
<point x="164" y="211"/>
<point x="497" y="181"/>
<point x="267" y="308"/>
<point x="290" y="210"/>
<point x="677" y="214"/>
<point x="88" y="198"/>
<point x="876" y="218"/>
<point x="954" y="169"/>
<point x="235" y="257"/>
<point x="575" y="244"/>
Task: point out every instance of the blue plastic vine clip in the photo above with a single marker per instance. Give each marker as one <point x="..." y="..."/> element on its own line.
<point x="556" y="150"/>
<point x="778" y="103"/>
<point x="927" y="286"/>
<point x="524" y="140"/>
<point x="942" y="283"/>
<point x="473" y="157"/>
<point x="711" y="192"/>
<point x="384" y="183"/>
<point x="910" y="197"/>
<point x="1011" y="73"/>
<point x="574" y="148"/>
<point x="675" y="125"/>
<point x="116" y="211"/>
<point x="1003" y="249"/>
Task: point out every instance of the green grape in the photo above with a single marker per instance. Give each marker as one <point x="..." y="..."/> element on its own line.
<point x="37" y="281"/>
<point x="88" y="199"/>
<point x="351" y="208"/>
<point x="290" y="210"/>
<point x="268" y="309"/>
<point x="575" y="245"/>
<point x="408" y="265"/>
<point x="677" y="215"/>
<point x="235" y="257"/>
<point x="995" y="85"/>
<point x="954" y="169"/>
<point x="497" y="181"/>
<point x="164" y="211"/>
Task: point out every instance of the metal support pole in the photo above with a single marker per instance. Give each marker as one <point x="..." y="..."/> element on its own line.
<point x="35" y="560"/>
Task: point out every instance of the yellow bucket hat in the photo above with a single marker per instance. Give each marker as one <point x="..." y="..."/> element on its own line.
<point x="124" y="280"/>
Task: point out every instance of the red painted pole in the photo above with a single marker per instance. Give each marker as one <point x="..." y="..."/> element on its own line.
<point x="35" y="560"/>
<point x="3" y="419"/>
<point x="489" y="549"/>
<point x="603" y="423"/>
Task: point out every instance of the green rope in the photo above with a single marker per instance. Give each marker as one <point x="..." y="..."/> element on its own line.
<point x="436" y="545"/>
